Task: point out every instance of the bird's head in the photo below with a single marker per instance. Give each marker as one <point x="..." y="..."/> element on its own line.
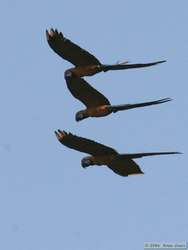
<point x="86" y="162"/>
<point x="80" y="115"/>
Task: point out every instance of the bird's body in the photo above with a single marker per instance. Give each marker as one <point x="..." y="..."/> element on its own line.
<point x="99" y="111"/>
<point x="85" y="63"/>
<point x="101" y="160"/>
<point x="88" y="70"/>
<point x="97" y="105"/>
<point x="121" y="164"/>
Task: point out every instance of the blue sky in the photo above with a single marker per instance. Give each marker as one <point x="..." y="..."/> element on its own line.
<point x="47" y="200"/>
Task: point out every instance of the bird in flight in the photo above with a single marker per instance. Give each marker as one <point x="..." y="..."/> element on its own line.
<point x="97" y="105"/>
<point x="85" y="63"/>
<point x="121" y="164"/>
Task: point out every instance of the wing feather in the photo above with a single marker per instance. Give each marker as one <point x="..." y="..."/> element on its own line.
<point x="85" y="93"/>
<point x="69" y="50"/>
<point x="83" y="145"/>
<point x="125" y="167"/>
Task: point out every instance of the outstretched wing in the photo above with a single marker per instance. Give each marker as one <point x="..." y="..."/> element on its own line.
<point x="69" y="50"/>
<point x="83" y="145"/>
<point x="85" y="93"/>
<point x="125" y="167"/>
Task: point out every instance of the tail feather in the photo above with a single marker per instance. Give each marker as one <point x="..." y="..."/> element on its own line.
<point x="116" y="108"/>
<point x="139" y="155"/>
<point x="125" y="65"/>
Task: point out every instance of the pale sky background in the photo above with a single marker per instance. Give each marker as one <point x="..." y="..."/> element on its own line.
<point x="47" y="200"/>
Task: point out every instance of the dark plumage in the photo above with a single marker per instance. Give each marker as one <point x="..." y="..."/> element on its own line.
<point x="97" y="105"/>
<point x="85" y="63"/>
<point x="121" y="164"/>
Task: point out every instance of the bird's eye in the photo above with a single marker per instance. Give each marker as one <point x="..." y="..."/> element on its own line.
<point x="68" y="73"/>
<point x="79" y="116"/>
<point x="87" y="162"/>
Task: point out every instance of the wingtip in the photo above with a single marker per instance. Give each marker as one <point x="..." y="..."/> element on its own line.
<point x="60" y="131"/>
<point x="47" y="34"/>
<point x="50" y="32"/>
<point x="60" y="134"/>
<point x="56" y="134"/>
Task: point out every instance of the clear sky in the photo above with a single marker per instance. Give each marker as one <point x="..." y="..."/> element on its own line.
<point x="47" y="200"/>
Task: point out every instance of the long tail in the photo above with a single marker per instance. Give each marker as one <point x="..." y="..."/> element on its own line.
<point x="139" y="155"/>
<point x="128" y="66"/>
<point x="116" y="108"/>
